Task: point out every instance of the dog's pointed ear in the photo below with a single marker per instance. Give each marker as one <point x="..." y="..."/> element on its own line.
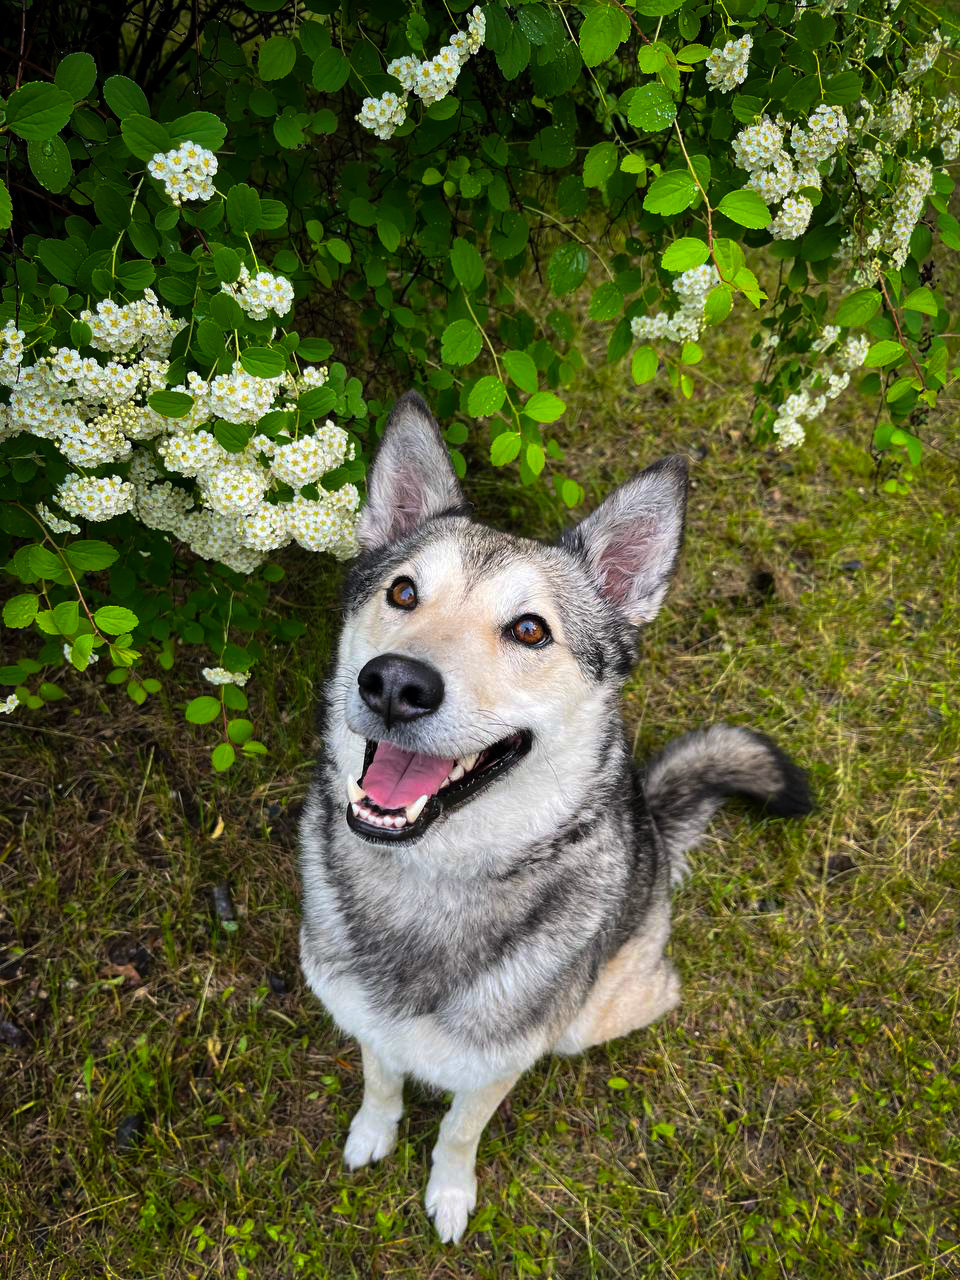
<point x="632" y="541"/>
<point x="412" y="477"/>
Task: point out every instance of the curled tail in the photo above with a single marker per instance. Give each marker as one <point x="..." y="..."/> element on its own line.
<point x="691" y="778"/>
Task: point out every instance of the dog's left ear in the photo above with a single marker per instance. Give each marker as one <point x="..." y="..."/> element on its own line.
<point x="412" y="477"/>
<point x="632" y="541"/>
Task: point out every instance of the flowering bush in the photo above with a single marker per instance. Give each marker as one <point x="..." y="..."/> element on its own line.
<point x="213" y="288"/>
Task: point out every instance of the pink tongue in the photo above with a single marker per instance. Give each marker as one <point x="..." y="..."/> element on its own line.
<point x="396" y="778"/>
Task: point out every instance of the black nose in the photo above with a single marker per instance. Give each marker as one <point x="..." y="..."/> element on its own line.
<point x="399" y="688"/>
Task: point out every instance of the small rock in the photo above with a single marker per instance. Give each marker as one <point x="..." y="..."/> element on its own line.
<point x="837" y="865"/>
<point x="130" y="1131"/>
<point x="223" y="901"/>
<point x="278" y="984"/>
<point x="130" y="951"/>
<point x="12" y="1035"/>
<point x="852" y="566"/>
<point x="701" y="451"/>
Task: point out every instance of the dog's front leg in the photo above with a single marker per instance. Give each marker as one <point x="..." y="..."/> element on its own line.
<point x="452" y="1189"/>
<point x="373" y="1130"/>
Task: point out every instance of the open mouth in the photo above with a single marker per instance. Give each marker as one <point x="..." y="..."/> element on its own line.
<point x="401" y="793"/>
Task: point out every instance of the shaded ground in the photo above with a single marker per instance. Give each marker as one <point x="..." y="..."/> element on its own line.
<point x="174" y="1101"/>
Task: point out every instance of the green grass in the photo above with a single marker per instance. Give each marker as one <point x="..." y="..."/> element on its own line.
<point x="797" y="1115"/>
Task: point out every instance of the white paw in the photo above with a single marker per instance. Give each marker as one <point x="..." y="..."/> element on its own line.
<point x="371" y="1137"/>
<point x="450" y="1208"/>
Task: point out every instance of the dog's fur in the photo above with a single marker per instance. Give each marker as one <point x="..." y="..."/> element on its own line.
<point x="534" y="917"/>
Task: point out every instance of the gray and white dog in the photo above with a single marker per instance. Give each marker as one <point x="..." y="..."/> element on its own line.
<point x="486" y="877"/>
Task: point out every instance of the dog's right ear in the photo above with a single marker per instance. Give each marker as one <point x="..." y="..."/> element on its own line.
<point x="412" y="477"/>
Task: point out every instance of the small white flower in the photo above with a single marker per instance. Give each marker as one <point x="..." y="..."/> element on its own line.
<point x="727" y="67"/>
<point x="8" y="704"/>
<point x="220" y="675"/>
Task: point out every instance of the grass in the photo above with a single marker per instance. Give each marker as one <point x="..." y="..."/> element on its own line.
<point x="174" y="1101"/>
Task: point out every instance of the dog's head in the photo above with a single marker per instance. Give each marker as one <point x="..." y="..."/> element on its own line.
<point x="471" y="657"/>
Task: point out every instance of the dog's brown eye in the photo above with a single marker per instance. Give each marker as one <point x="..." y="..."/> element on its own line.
<point x="531" y="631"/>
<point x="403" y="594"/>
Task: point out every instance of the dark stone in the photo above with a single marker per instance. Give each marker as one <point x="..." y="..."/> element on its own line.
<point x="130" y="1131"/>
<point x="131" y="951"/>
<point x="223" y="901"/>
<point x="852" y="566"/>
<point x="838" y="865"/>
<point x="278" y="984"/>
<point x="12" y="1035"/>
<point x="701" y="451"/>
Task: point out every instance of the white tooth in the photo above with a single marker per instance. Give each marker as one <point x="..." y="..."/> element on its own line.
<point x="355" y="808"/>
<point x="354" y="790"/>
<point x="413" y="811"/>
<point x="469" y="761"/>
<point x="456" y="773"/>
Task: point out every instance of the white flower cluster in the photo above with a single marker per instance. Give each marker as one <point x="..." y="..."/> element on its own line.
<point x="429" y="80"/>
<point x="906" y="208"/>
<point x="8" y="704"/>
<point x="923" y="59"/>
<point x="260" y="294"/>
<point x="727" y="67"/>
<point x="896" y="117"/>
<point x="95" y="497"/>
<point x="383" y="116"/>
<point x="98" y="416"/>
<point x="819" y="387"/>
<point x="777" y="176"/>
<point x="220" y="675"/>
<point x="684" y="324"/>
<point x="944" y="124"/>
<point x="186" y="172"/>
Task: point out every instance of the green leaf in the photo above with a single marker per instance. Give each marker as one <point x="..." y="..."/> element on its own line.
<point x="226" y="263"/>
<point x="570" y="493"/>
<point x="949" y="230"/>
<point x="567" y="268"/>
<point x="858" y="308"/>
<point x="921" y="300"/>
<point x="234" y="698"/>
<point x="330" y="71"/>
<point x="486" y="397"/>
<point x="239" y="731"/>
<point x="644" y="365"/>
<point x="51" y="692"/>
<point x="232" y="436"/>
<point x="602" y="32"/>
<point x="671" y="193"/>
<point x="170" y="404"/>
<point x="883" y="353"/>
<point x="461" y="342"/>
<point x="719" y="304"/>
<point x="38" y="111"/>
<point x="276" y="58"/>
<point x="316" y="402"/>
<point x="693" y="53"/>
<point x="66" y="616"/>
<point x="203" y="709"/>
<point x="263" y="362"/>
<point x="20" y="611"/>
<point x="618" y="1083"/>
<point x="90" y="555"/>
<point x="80" y="651"/>
<point x="243" y="208"/>
<point x="201" y="127"/>
<point x="44" y="563"/>
<point x="6" y="207"/>
<point x="684" y="254"/>
<point x="600" y="164"/>
<point x="115" y="620"/>
<point x="745" y="208"/>
<point x="607" y="302"/>
<point x="144" y="137"/>
<point x="505" y="448"/>
<point x="76" y="74"/>
<point x="222" y="757"/>
<point x="535" y="457"/>
<point x="652" y="108"/>
<point x="136" y="276"/>
<point x="522" y="369"/>
<point x="467" y="264"/>
<point x="633" y="164"/>
<point x="50" y="163"/>
<point x="124" y="98"/>
<point x="691" y="353"/>
<point x="544" y="406"/>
